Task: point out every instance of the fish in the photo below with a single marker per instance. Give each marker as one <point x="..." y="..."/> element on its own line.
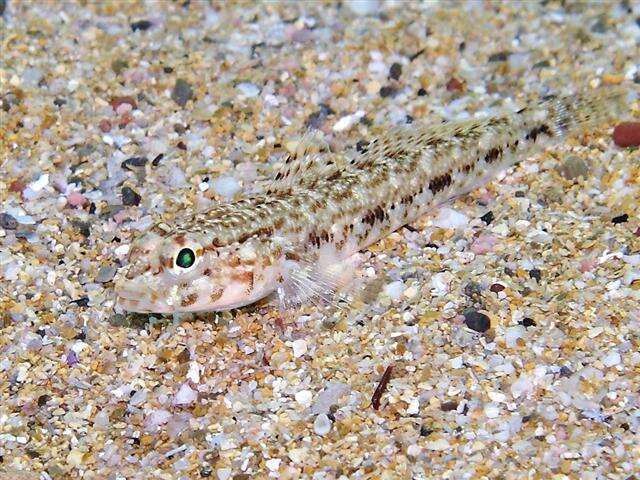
<point x="295" y="239"/>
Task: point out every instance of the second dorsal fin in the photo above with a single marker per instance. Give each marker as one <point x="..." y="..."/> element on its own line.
<point x="309" y="160"/>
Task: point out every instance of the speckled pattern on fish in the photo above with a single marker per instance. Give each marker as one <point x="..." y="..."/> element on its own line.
<point x="323" y="207"/>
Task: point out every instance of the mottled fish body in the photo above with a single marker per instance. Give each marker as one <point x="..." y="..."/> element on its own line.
<point x="324" y="207"/>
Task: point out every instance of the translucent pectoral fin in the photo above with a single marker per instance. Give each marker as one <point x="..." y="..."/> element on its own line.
<point x="315" y="280"/>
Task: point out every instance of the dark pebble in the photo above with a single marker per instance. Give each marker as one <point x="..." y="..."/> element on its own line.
<point x="395" y="71"/>
<point x="387" y="91"/>
<point x="8" y="222"/>
<point x="620" y="219"/>
<point x="477" y="321"/>
<point x="317" y="119"/>
<point x="535" y="274"/>
<point x="496" y="288"/>
<point x="361" y="146"/>
<point x="141" y="25"/>
<point x="473" y="289"/>
<point x="58" y="102"/>
<point x="520" y="194"/>
<point x="499" y="56"/>
<point x="118" y="65"/>
<point x="600" y="26"/>
<point x="425" y="431"/>
<point x="83" y="227"/>
<point x="409" y="119"/>
<point x="179" y="128"/>
<point x="565" y="371"/>
<point x="181" y="145"/>
<point x="134" y="162"/>
<point x="422" y="92"/>
<point x="627" y="134"/>
<point x="81" y="302"/>
<point x="130" y="197"/>
<point x="167" y="69"/>
<point x="182" y="92"/>
<point x="527" y="322"/>
<point x="156" y="161"/>
<point x="449" y="406"/>
<point x="488" y="217"/>
<point x="541" y="64"/>
<point x="43" y="399"/>
<point x="454" y="85"/>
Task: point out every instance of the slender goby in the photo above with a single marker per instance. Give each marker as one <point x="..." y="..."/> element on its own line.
<point x="324" y="207"/>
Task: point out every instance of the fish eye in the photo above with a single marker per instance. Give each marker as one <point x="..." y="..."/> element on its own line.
<point x="185" y="258"/>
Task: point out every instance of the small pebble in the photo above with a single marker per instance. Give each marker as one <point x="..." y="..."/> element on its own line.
<point x="394" y="290"/>
<point x="182" y="92"/>
<point x="395" y="71"/>
<point x="362" y="7"/>
<point x="612" y="359"/>
<point x="322" y="424"/>
<point x="449" y="218"/>
<point x="185" y="395"/>
<point x="477" y="321"/>
<point x="130" y="197"/>
<point x="454" y="85"/>
<point x="8" y="222"/>
<point x="304" y="397"/>
<point x="499" y="56"/>
<point x="117" y="101"/>
<point x="573" y="167"/>
<point x="620" y="219"/>
<point x="299" y="348"/>
<point x="387" y="91"/>
<point x="488" y="217"/>
<point x="106" y="274"/>
<point x="627" y="134"/>
<point x="226" y="186"/>
<point x="141" y="25"/>
<point x="248" y="89"/>
<point x="134" y="162"/>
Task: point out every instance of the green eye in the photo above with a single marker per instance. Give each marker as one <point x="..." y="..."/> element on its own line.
<point x="186" y="258"/>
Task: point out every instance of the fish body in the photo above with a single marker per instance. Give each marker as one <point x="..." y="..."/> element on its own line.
<point x="325" y="207"/>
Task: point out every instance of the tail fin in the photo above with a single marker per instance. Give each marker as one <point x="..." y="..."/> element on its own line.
<point x="572" y="113"/>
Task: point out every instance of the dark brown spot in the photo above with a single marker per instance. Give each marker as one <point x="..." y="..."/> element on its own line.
<point x="492" y="155"/>
<point x="181" y="240"/>
<point x="539" y="130"/>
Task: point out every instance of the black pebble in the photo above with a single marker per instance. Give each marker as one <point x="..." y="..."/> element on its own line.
<point x="527" y="322"/>
<point x="361" y="146"/>
<point x="535" y="274"/>
<point x="134" y="162"/>
<point x="499" y="56"/>
<point x="182" y="92"/>
<point x="167" y="69"/>
<point x="422" y="92"/>
<point x="520" y="194"/>
<point x="425" y="431"/>
<point x="620" y="219"/>
<point x="141" y="25"/>
<point x="387" y="91"/>
<point x="565" y="371"/>
<point x="487" y="217"/>
<point x="477" y="321"/>
<point x="156" y="161"/>
<point x="81" y="302"/>
<point x="58" y="102"/>
<point x="130" y="197"/>
<point x="8" y="222"/>
<point x="395" y="71"/>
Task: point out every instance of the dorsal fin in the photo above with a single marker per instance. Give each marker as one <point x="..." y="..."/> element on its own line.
<point x="309" y="160"/>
